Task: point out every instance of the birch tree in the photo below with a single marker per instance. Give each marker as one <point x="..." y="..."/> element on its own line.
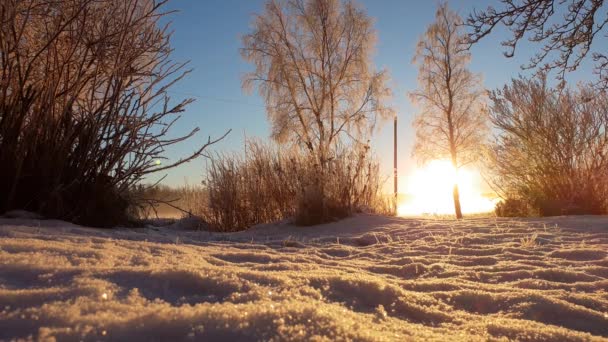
<point x="451" y="123"/>
<point x="313" y="68"/>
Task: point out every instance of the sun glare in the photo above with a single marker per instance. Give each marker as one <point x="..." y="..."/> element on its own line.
<point x="429" y="191"/>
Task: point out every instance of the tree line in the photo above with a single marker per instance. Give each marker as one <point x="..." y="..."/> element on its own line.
<point x="85" y="113"/>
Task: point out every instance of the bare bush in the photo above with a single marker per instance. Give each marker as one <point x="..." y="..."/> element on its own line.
<point x="514" y="207"/>
<point x="551" y="148"/>
<point x="268" y="184"/>
<point x="84" y="111"/>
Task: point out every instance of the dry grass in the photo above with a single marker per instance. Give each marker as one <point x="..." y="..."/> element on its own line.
<point x="529" y="241"/>
<point x="162" y="201"/>
<point x="268" y="184"/>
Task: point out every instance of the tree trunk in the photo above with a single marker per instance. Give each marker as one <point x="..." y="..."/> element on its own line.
<point x="457" y="208"/>
<point x="455" y="193"/>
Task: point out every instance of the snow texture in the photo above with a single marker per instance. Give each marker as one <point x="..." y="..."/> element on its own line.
<point x="367" y="278"/>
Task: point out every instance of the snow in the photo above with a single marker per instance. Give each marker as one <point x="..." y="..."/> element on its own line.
<point x="367" y="278"/>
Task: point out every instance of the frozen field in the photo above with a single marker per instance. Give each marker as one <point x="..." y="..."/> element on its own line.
<point x="367" y="278"/>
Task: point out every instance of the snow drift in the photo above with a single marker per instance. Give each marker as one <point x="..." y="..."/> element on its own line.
<point x="368" y="278"/>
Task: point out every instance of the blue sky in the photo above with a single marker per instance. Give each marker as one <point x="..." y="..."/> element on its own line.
<point x="207" y="33"/>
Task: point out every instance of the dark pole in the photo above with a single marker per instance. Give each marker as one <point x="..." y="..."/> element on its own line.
<point x="395" y="160"/>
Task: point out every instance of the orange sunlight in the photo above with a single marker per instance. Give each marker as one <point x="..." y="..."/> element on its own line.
<point x="429" y="191"/>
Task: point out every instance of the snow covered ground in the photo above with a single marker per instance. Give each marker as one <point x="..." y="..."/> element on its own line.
<point x="367" y="278"/>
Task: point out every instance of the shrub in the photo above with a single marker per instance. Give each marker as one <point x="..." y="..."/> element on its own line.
<point x="84" y="110"/>
<point x="511" y="207"/>
<point x="269" y="184"/>
<point x="551" y="148"/>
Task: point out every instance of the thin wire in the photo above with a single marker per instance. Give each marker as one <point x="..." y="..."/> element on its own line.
<point x="217" y="99"/>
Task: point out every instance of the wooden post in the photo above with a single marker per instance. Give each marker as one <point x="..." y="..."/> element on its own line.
<point x="395" y="160"/>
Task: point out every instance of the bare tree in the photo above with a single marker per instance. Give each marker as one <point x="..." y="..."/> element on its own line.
<point x="452" y="122"/>
<point x="551" y="147"/>
<point x="313" y="67"/>
<point x="84" y="110"/>
<point x="566" y="29"/>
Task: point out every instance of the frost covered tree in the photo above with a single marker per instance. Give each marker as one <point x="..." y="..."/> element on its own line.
<point x="550" y="150"/>
<point x="313" y="67"/>
<point x="567" y="30"/>
<point x="452" y="122"/>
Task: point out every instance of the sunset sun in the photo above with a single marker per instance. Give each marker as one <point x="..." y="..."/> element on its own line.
<point x="429" y="191"/>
